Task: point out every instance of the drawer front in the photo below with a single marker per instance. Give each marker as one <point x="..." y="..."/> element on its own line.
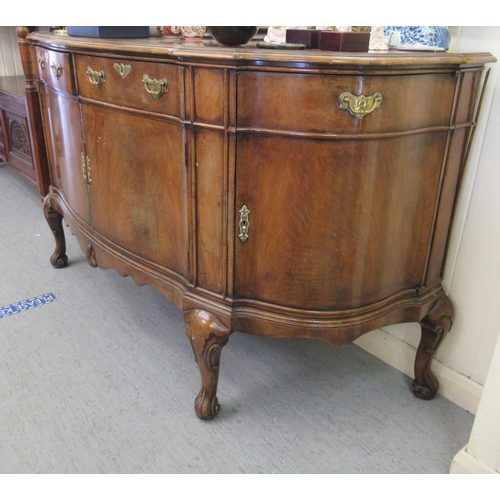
<point x="148" y="86"/>
<point x="313" y="103"/>
<point x="55" y="69"/>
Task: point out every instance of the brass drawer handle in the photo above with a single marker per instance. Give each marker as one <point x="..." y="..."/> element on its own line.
<point x="155" y="87"/>
<point x="97" y="78"/>
<point x="360" y="106"/>
<point x="122" y="69"/>
<point x="244" y="223"/>
<point x="41" y="63"/>
<point x="56" y="70"/>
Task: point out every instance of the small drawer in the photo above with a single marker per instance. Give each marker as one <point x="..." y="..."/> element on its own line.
<point x="334" y="104"/>
<point x="55" y="69"/>
<point x="147" y="86"/>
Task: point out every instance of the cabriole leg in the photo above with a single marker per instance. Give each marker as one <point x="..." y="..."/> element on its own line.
<point x="207" y="336"/>
<point x="54" y="219"/>
<point x="434" y="326"/>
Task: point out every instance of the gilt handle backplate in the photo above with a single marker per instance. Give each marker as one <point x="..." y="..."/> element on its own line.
<point x="360" y="106"/>
<point x="122" y="69"/>
<point x="155" y="87"/>
<point x="97" y="78"/>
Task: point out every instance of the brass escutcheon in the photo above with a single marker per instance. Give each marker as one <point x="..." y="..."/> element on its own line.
<point x="244" y="223"/>
<point x="97" y="78"/>
<point x="155" y="87"/>
<point x="122" y="69"/>
<point x="56" y="70"/>
<point x="360" y="106"/>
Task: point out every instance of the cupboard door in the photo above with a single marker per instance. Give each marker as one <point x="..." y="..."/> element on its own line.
<point x="334" y="224"/>
<point x="138" y="191"/>
<point x="63" y="137"/>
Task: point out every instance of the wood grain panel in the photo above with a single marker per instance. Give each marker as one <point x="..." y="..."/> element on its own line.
<point x="351" y="223"/>
<point x="310" y="103"/>
<point x="139" y="201"/>
<point x="209" y="95"/>
<point x="63" y="132"/>
<point x="210" y="209"/>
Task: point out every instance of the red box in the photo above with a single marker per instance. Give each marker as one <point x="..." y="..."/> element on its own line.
<point x="310" y="38"/>
<point x="344" y="41"/>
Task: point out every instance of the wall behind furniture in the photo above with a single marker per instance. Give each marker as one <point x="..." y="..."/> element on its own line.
<point x="10" y="61"/>
<point x="472" y="276"/>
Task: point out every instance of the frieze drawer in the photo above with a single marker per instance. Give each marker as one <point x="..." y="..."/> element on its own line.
<point x="135" y="84"/>
<point x="344" y="104"/>
<point x="55" y="69"/>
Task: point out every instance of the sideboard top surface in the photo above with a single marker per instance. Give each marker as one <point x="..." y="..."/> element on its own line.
<point x="250" y="54"/>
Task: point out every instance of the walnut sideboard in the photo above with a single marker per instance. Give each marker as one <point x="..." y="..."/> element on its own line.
<point x="273" y="192"/>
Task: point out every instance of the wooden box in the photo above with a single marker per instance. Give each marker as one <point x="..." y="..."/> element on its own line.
<point x="344" y="41"/>
<point x="310" y="38"/>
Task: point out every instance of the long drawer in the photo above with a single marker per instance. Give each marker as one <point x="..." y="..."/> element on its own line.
<point x="344" y="103"/>
<point x="156" y="87"/>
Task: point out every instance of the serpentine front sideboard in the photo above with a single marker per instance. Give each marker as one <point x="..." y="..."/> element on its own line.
<point x="273" y="192"/>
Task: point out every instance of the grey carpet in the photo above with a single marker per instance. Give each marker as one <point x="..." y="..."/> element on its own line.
<point x="103" y="380"/>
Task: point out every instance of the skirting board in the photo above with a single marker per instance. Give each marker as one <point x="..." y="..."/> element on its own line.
<point x="463" y="463"/>
<point x="453" y="385"/>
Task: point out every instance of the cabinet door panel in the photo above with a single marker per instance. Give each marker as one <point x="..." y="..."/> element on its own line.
<point x="63" y="137"/>
<point x="139" y="184"/>
<point x="334" y="224"/>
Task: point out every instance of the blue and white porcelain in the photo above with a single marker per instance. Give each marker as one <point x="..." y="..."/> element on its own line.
<point x="417" y="37"/>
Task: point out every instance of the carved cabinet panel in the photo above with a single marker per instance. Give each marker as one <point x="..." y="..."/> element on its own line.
<point x="15" y="142"/>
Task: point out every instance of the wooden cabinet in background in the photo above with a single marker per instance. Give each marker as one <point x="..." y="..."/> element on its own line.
<point x="22" y="142"/>
<point x="278" y="193"/>
<point x="15" y="145"/>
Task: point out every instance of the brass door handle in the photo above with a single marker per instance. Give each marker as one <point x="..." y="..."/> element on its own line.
<point x="244" y="223"/>
<point x="97" y="78"/>
<point x="360" y="106"/>
<point x="56" y="70"/>
<point x="155" y="87"/>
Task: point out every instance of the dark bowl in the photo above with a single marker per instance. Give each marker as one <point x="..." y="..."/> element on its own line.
<point x="233" y="35"/>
